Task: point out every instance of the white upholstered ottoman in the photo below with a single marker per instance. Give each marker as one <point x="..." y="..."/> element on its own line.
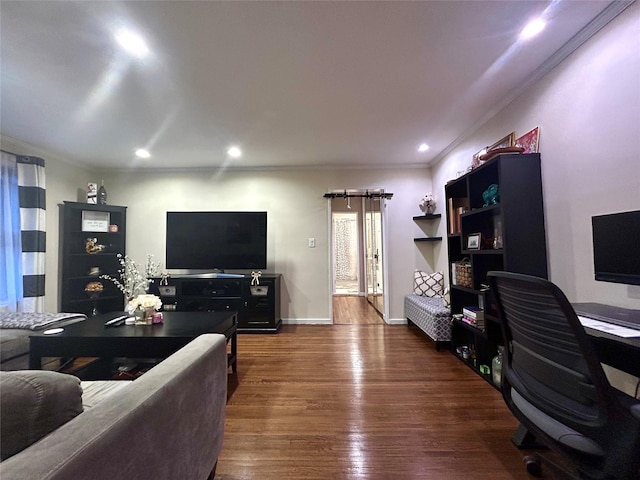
<point x="430" y="315"/>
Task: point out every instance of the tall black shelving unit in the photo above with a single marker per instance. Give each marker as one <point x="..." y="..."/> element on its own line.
<point x="78" y="268"/>
<point x="517" y="219"/>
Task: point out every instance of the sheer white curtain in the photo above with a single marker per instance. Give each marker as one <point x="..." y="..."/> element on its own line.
<point x="10" y="238"/>
<point x="23" y="237"/>
<point x="346" y="247"/>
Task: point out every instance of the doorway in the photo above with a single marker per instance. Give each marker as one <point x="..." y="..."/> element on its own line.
<point x="357" y="260"/>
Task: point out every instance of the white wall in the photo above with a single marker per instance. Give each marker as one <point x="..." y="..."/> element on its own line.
<point x="588" y="110"/>
<point x="296" y="211"/>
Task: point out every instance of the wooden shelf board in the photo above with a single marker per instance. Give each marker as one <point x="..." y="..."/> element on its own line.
<point x="466" y="289"/>
<point x="428" y="239"/>
<point x="431" y="216"/>
<point x="475" y="330"/>
<point x="487" y="251"/>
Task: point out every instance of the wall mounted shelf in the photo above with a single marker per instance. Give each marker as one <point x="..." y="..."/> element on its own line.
<point x="428" y="216"/>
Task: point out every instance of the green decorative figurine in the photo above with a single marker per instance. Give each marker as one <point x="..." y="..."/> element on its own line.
<point x="491" y="195"/>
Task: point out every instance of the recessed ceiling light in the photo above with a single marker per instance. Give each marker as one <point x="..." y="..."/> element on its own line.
<point x="142" y="153"/>
<point x="132" y="43"/>
<point x="234" y="152"/>
<point x="423" y="147"/>
<point x="533" y="28"/>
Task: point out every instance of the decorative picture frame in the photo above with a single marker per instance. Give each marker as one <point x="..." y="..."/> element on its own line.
<point x="507" y="141"/>
<point x="95" y="221"/>
<point x="473" y="241"/>
<point x="530" y="141"/>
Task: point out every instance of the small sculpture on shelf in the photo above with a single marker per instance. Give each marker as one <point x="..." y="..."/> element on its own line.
<point x="92" y="246"/>
<point x="92" y="192"/>
<point x="94" y="290"/>
<point x="491" y="195"/>
<point x="428" y="204"/>
<point x="102" y="195"/>
<point x="94" y="271"/>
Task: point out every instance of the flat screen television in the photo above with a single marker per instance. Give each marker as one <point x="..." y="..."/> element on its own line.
<point x="616" y="247"/>
<point x="216" y="240"/>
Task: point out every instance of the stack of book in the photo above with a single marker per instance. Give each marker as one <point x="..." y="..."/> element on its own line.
<point x="473" y="316"/>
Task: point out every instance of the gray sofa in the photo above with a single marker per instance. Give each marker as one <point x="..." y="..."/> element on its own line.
<point x="166" y="424"/>
<point x="14" y="348"/>
<point x="15" y="329"/>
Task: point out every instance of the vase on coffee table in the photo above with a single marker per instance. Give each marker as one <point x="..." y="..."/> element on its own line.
<point x="144" y="316"/>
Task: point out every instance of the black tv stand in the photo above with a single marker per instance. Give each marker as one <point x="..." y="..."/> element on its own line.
<point x="258" y="306"/>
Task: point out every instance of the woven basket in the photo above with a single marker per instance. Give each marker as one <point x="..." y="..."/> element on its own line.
<point x="463" y="273"/>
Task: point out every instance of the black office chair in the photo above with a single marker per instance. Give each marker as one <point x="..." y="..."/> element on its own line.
<point x="554" y="384"/>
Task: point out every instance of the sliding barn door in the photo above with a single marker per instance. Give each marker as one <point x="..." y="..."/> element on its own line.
<point x="374" y="258"/>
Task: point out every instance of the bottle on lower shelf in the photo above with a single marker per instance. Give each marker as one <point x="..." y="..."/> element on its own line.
<point x="496" y="367"/>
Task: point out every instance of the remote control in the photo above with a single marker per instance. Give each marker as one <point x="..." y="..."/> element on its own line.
<point x="114" y="322"/>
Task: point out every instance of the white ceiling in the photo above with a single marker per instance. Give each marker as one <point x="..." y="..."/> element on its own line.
<point x="293" y="83"/>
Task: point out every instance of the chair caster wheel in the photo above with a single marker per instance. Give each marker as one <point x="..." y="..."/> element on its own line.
<point x="532" y="464"/>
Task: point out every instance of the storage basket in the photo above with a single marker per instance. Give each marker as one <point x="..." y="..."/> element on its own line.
<point x="463" y="273"/>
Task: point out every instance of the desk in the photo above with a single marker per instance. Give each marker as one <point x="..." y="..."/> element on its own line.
<point x="618" y="352"/>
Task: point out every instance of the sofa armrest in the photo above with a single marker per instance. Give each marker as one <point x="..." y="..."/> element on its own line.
<point x="168" y="424"/>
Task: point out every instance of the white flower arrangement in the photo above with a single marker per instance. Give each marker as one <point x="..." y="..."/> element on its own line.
<point x="145" y="302"/>
<point x="134" y="281"/>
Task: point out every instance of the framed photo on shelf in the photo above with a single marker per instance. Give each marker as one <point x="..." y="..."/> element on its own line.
<point x="473" y="241"/>
<point x="95" y="221"/>
<point x="503" y="142"/>
<point x="529" y="141"/>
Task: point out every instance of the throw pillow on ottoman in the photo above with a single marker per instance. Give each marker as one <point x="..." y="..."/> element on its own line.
<point x="428" y="284"/>
<point x="33" y="403"/>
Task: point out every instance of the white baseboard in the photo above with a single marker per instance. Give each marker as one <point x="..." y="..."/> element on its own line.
<point x="397" y="321"/>
<point x="307" y="321"/>
<point x="327" y="321"/>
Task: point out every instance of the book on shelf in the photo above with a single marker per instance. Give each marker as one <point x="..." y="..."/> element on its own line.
<point x="457" y="206"/>
<point x="473" y="316"/>
<point x="451" y="219"/>
<point x="473" y="312"/>
<point x="479" y="324"/>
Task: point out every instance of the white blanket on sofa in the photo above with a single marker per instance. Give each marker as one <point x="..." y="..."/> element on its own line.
<point x="38" y="321"/>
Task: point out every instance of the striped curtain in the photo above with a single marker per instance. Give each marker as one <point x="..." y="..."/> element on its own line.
<point x="30" y="208"/>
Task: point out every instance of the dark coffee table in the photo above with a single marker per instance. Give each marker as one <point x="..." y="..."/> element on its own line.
<point x="91" y="338"/>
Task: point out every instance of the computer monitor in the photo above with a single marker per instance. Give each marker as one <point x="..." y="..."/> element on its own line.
<point x="616" y="247"/>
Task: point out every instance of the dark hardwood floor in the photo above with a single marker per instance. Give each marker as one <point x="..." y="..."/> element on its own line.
<point x="354" y="310"/>
<point x="362" y="402"/>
